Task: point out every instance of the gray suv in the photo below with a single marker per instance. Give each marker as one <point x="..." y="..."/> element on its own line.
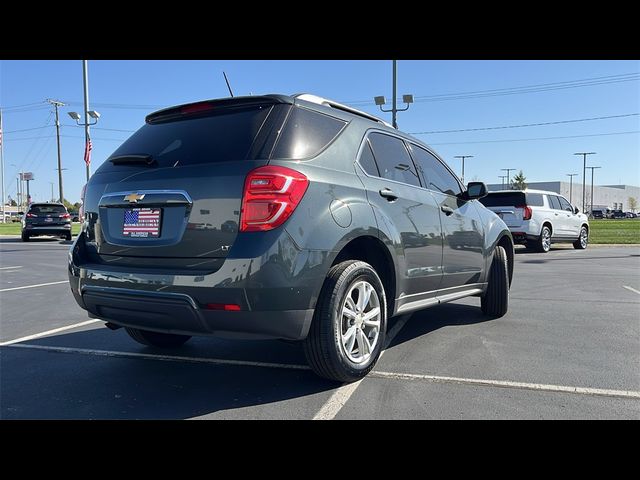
<point x="274" y="216"/>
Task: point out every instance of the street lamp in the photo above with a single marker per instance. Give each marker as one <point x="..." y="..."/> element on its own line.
<point x="380" y="100"/>
<point x="584" y="175"/>
<point x="508" y="170"/>
<point x="592" y="169"/>
<point x="571" y="175"/>
<point x="92" y="113"/>
<point x="502" y="179"/>
<point x="463" y="157"/>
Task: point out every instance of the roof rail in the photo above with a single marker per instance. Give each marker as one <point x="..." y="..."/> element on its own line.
<point x="338" y="106"/>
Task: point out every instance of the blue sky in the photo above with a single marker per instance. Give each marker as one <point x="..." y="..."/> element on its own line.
<point x="125" y="91"/>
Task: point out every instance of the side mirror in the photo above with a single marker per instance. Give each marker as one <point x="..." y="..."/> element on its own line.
<point x="475" y="190"/>
<point x="575" y="210"/>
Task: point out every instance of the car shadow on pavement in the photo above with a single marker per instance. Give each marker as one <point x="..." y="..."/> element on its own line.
<point x="36" y="240"/>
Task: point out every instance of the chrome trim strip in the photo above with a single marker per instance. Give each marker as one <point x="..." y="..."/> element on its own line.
<point x="148" y="192"/>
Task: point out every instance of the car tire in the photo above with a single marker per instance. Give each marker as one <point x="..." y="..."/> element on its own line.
<point x="495" y="301"/>
<point x="583" y="239"/>
<point x="157" y="339"/>
<point x="543" y="244"/>
<point x="25" y="237"/>
<point x="341" y="347"/>
<point x="68" y="237"/>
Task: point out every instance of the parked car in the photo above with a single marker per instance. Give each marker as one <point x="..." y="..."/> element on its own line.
<point x="618" y="214"/>
<point x="630" y="215"/>
<point x="74" y="216"/>
<point x="597" y="214"/>
<point x="16" y="216"/>
<point x="537" y="218"/>
<point x="46" y="219"/>
<point x="332" y="222"/>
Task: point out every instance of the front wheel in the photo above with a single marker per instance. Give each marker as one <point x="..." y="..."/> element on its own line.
<point x="583" y="239"/>
<point x="495" y="301"/>
<point x="157" y="339"/>
<point x="349" y="324"/>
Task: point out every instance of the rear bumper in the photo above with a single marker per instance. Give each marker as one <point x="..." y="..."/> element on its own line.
<point x="48" y="230"/>
<point x="272" y="303"/>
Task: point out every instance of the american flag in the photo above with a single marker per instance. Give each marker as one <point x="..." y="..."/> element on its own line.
<point x="143" y="222"/>
<point x="87" y="151"/>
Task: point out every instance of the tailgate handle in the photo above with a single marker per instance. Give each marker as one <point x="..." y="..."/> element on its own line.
<point x="147" y="197"/>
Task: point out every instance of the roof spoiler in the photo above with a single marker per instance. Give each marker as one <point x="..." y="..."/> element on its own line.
<point x="338" y="106"/>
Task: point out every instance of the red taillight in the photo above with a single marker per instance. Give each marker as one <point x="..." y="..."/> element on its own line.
<point x="229" y="307"/>
<point x="31" y="215"/>
<point x="526" y="211"/>
<point x="270" y="196"/>
<point x="65" y="215"/>
<point x="196" y="108"/>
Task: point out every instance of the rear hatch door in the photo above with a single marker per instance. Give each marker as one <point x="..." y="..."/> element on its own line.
<point x="507" y="205"/>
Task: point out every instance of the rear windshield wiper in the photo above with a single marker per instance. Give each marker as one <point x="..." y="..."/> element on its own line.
<point x="133" y="159"/>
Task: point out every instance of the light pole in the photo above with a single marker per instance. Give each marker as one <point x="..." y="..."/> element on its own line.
<point x="408" y="99"/>
<point x="87" y="113"/>
<point x="508" y="170"/>
<point x="57" y="104"/>
<point x="502" y="178"/>
<point x="571" y="175"/>
<point x="584" y="175"/>
<point x="463" y="157"/>
<point x="53" y="199"/>
<point x="591" y="209"/>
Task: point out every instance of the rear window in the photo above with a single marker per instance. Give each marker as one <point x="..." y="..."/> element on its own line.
<point x="227" y="135"/>
<point x="47" y="209"/>
<point x="306" y="133"/>
<point x="503" y="199"/>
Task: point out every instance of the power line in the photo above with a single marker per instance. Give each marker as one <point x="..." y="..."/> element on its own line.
<point x="539" y="138"/>
<point x="13" y="107"/>
<point x="633" y="76"/>
<point x="526" y="124"/>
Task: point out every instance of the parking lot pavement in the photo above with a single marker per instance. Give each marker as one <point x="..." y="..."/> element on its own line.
<point x="568" y="348"/>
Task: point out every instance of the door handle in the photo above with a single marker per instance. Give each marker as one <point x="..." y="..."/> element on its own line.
<point x="556" y="214"/>
<point x="388" y="194"/>
<point x="447" y="210"/>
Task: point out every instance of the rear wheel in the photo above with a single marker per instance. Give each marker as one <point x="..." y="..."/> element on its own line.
<point x="495" y="301"/>
<point x="68" y="236"/>
<point x="25" y="237"/>
<point x="349" y="324"/>
<point x="157" y="339"/>
<point x="544" y="241"/>
<point x="583" y="239"/>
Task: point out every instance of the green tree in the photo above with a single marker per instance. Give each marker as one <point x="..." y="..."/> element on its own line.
<point x="633" y="204"/>
<point x="76" y="206"/>
<point x="519" y="182"/>
<point x="13" y="203"/>
<point x="68" y="204"/>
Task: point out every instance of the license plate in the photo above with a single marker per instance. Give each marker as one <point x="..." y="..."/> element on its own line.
<point x="142" y="222"/>
<point x="48" y="219"/>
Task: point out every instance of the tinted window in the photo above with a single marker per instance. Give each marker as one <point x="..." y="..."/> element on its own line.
<point x="503" y="199"/>
<point x="224" y="136"/>
<point x="565" y="205"/>
<point x="535" y="200"/>
<point x="306" y="133"/>
<point x="45" y="209"/>
<point x="436" y="175"/>
<point x="367" y="161"/>
<point x="393" y="159"/>
<point x="553" y="201"/>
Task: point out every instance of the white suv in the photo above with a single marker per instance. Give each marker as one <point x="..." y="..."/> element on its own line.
<point x="537" y="217"/>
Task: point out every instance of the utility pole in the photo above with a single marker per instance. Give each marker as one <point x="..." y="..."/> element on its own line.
<point x="2" y="166"/>
<point x="463" y="157"/>
<point x="571" y="175"/>
<point x="584" y="176"/>
<point x="508" y="170"/>
<point x="57" y="104"/>
<point x="502" y="178"/>
<point x="592" y="169"/>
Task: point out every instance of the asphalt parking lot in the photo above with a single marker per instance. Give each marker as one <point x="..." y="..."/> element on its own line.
<point x="568" y="348"/>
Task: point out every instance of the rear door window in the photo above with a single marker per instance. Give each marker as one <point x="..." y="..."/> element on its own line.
<point x="503" y="199"/>
<point x="225" y="135"/>
<point x="367" y="162"/>
<point x="306" y="133"/>
<point x="393" y="160"/>
<point x="436" y="175"/>
<point x="554" y="202"/>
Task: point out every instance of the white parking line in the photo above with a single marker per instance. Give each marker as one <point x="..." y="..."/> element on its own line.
<point x="631" y="289"/>
<point x="165" y="358"/>
<point x="48" y="332"/>
<point x="34" y="286"/>
<point x="330" y="409"/>
<point x="10" y="268"/>
<point x="602" y="392"/>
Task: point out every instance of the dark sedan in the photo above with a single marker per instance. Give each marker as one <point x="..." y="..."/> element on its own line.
<point x="46" y="219"/>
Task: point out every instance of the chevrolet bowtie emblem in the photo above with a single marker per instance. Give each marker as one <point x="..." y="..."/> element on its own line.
<point x="134" y="197"/>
